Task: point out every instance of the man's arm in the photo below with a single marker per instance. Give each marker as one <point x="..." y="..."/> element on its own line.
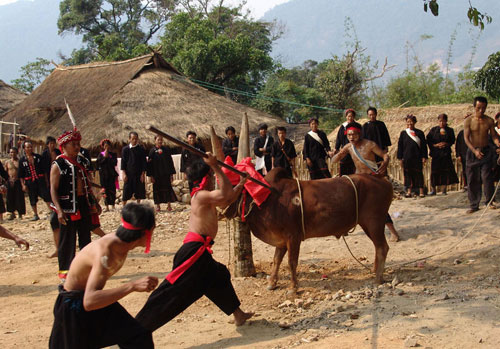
<point x="378" y="151"/>
<point x="226" y="193"/>
<point x="55" y="176"/>
<point x="467" y="135"/>
<point x="342" y="153"/>
<point x="96" y="298"/>
<point x="8" y="235"/>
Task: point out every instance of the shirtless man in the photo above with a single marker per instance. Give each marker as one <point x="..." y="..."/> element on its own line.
<point x="479" y="154"/>
<point x="86" y="315"/>
<point x="363" y="152"/>
<point x="195" y="273"/>
<point x="15" y="194"/>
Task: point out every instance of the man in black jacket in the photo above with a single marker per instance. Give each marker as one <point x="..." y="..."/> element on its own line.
<point x="133" y="168"/>
<point x="262" y="149"/>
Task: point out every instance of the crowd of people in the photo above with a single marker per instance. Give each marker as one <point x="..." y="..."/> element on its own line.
<point x="86" y="315"/>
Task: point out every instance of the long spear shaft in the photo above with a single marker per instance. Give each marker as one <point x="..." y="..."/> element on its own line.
<point x="204" y="155"/>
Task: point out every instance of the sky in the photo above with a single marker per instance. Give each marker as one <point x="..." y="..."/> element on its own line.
<point x="257" y="7"/>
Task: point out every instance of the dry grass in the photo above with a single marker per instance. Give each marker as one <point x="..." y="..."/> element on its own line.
<point x="9" y="97"/>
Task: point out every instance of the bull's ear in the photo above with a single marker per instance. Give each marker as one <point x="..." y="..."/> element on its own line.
<point x="244" y="145"/>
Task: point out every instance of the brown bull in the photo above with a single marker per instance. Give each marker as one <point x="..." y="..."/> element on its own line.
<point x="329" y="209"/>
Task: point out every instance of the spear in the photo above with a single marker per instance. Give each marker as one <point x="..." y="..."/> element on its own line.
<point x="204" y="155"/>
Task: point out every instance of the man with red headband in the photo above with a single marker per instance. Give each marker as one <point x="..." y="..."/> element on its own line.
<point x="195" y="273"/>
<point x="363" y="153"/>
<point x="86" y="315"/>
<point x="72" y="199"/>
<point x="347" y="166"/>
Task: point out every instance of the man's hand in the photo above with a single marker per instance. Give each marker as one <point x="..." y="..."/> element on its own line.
<point x="243" y="179"/>
<point x="262" y="149"/>
<point x="145" y="284"/>
<point x="478" y="154"/>
<point x="125" y="177"/>
<point x="309" y="162"/>
<point x="424" y="161"/>
<point x="210" y="160"/>
<point x="382" y="169"/>
<point x="25" y="188"/>
<point x="61" y="217"/>
<point x="143" y="178"/>
<point x="152" y="180"/>
<point x="20" y="242"/>
<point x="331" y="154"/>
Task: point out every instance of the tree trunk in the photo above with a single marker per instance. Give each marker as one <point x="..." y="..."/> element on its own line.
<point x="243" y="255"/>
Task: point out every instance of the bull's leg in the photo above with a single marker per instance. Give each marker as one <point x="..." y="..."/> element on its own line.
<point x="375" y="231"/>
<point x="293" y="260"/>
<point x="279" y="253"/>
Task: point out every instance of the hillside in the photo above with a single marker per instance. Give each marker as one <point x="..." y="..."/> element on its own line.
<point x="315" y="30"/>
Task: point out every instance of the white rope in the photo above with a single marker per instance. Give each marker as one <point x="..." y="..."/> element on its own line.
<point x="357" y="218"/>
<point x="301" y="210"/>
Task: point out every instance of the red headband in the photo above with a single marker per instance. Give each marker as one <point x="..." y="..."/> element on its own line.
<point x="353" y="128"/>
<point x="202" y="186"/>
<point x="350" y="111"/>
<point x="148" y="233"/>
<point x="68" y="136"/>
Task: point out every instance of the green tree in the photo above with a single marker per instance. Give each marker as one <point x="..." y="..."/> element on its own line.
<point x="488" y="77"/>
<point x="32" y="75"/>
<point x="113" y="29"/>
<point x="220" y="46"/>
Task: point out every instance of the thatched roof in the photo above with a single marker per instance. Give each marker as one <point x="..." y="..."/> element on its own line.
<point x="9" y="97"/>
<point x="109" y="100"/>
<point x="426" y="119"/>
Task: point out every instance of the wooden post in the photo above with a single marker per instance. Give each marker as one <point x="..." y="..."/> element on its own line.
<point x="14" y="136"/>
<point x="243" y="254"/>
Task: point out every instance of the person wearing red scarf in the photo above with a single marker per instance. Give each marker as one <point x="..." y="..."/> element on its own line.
<point x="88" y="316"/>
<point x="71" y="199"/>
<point x="195" y="273"/>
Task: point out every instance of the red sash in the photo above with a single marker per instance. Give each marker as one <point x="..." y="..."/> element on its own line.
<point x="190" y="237"/>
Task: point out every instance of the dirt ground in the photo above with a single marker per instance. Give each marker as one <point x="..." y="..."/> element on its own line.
<point x="451" y="300"/>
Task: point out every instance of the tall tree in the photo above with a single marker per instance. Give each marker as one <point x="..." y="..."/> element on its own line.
<point x="488" y="77"/>
<point x="219" y="45"/>
<point x="114" y="29"/>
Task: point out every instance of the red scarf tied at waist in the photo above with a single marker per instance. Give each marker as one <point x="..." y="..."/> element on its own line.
<point x="190" y="237"/>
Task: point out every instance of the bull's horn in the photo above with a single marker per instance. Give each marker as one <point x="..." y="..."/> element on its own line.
<point x="216" y="144"/>
<point x="244" y="145"/>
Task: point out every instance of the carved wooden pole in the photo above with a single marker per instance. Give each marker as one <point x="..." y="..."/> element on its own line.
<point x="216" y="145"/>
<point x="243" y="255"/>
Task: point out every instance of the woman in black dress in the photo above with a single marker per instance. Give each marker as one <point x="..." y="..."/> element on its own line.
<point x="161" y="170"/>
<point x="412" y="153"/>
<point x="440" y="139"/>
<point x="106" y="163"/>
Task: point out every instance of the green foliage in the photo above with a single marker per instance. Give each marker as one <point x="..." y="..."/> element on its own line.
<point x="477" y="18"/>
<point x="32" y="75"/>
<point x="113" y="29"/>
<point x="220" y="46"/>
<point x="488" y="77"/>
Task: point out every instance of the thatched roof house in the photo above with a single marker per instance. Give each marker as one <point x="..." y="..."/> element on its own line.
<point x="111" y="99"/>
<point x="9" y="97"/>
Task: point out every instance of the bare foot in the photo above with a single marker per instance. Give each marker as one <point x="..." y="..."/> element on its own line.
<point x="53" y="255"/>
<point x="240" y="317"/>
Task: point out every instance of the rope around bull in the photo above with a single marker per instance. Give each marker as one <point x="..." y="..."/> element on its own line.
<point x="399" y="265"/>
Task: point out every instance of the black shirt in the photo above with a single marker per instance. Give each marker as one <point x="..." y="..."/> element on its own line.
<point x="313" y="149"/>
<point x="259" y="143"/>
<point x="227" y="148"/>
<point x="280" y="160"/>
<point x="133" y="160"/>
<point x="187" y="157"/>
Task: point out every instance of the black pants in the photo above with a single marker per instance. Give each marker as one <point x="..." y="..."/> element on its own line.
<point x="463" y="160"/>
<point x="76" y="328"/>
<point x="205" y="277"/>
<point x="15" y="197"/>
<point x="479" y="171"/>
<point x="109" y="190"/>
<point x="133" y="186"/>
<point x="67" y="236"/>
<point x="37" y="188"/>
<point x="413" y="176"/>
